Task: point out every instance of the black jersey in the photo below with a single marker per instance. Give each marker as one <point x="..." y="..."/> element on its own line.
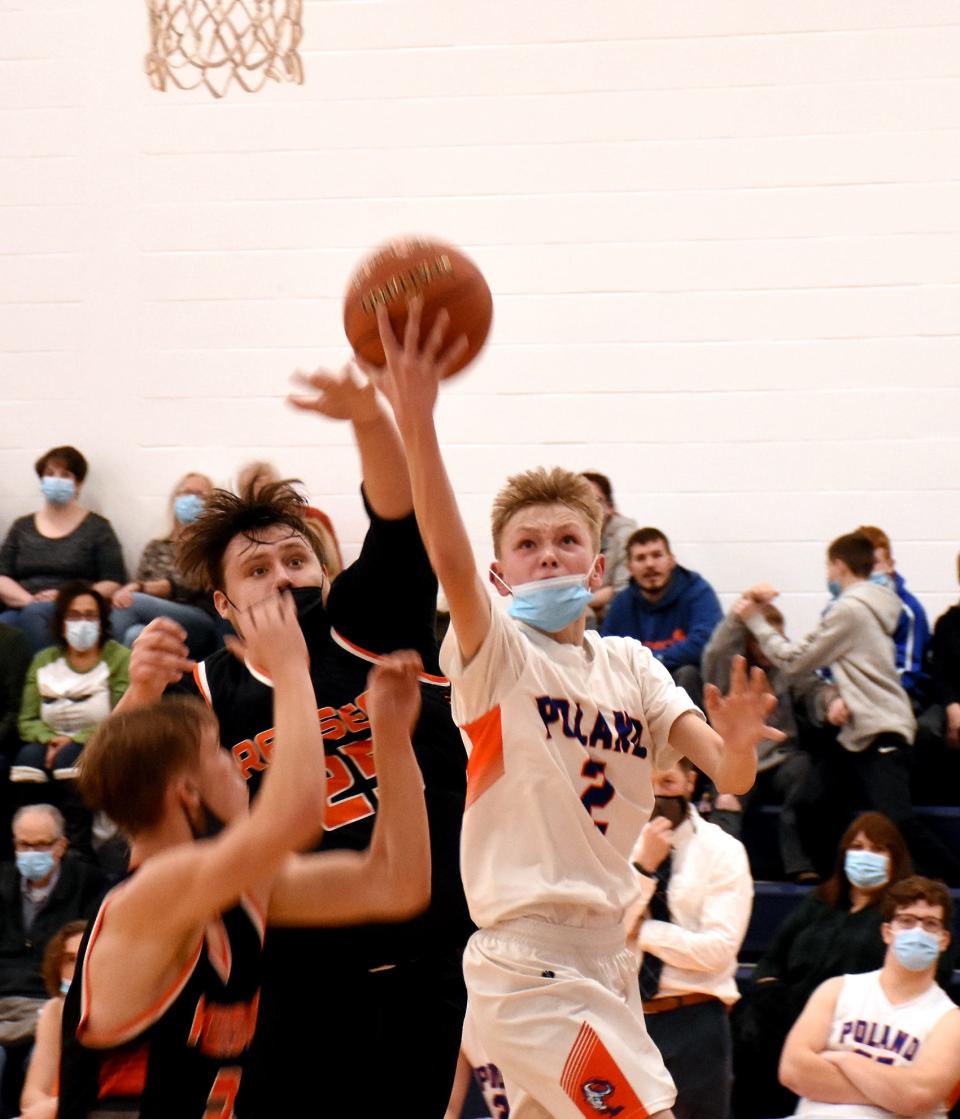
<point x="186" y="1057"/>
<point x="383" y="602"/>
<point x="340" y="981"/>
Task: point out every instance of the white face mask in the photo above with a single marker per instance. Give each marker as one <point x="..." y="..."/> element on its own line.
<point x="550" y="604"/>
<point x="82" y="635"/>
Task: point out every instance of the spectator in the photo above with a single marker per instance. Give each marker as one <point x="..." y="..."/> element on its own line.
<point x="61" y="542"/>
<point x="912" y="635"/>
<point x="14" y="659"/>
<point x="71" y="688"/>
<point x="886" y="1043"/>
<point x="159" y="591"/>
<point x="945" y="668"/>
<point x="834" y="930"/>
<point x="39" y="892"/>
<point x="784" y="769"/>
<point x="259" y="474"/>
<point x="669" y="609"/>
<point x="38" y="1100"/>
<point x="872" y="711"/>
<point x="613" y="545"/>
<point x="696" y="895"/>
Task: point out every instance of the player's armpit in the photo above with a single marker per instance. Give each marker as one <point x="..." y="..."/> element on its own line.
<point x="344" y="888"/>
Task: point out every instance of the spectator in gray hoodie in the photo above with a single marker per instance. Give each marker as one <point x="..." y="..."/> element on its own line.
<point x="872" y="711"/>
<point x="784" y="769"/>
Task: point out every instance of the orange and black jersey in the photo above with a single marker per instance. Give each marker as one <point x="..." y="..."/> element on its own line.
<point x="186" y="1056"/>
<point x="385" y="601"/>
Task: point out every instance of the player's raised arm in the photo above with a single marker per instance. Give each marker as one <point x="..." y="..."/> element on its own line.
<point x="351" y="395"/>
<point x="391" y="879"/>
<point x="182" y="884"/>
<point x="727" y="750"/>
<point x="411" y="379"/>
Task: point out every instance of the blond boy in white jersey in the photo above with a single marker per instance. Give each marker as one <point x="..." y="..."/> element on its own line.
<point x="563" y="728"/>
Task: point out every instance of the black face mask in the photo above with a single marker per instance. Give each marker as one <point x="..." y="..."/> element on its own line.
<point x="673" y="809"/>
<point x="306" y="600"/>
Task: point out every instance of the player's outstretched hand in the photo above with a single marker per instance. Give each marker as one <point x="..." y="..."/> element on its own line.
<point x="740" y="717"/>
<point x="159" y="657"/>
<point x="414" y="369"/>
<point x="272" y="637"/>
<point x="393" y="690"/>
<point x="349" y="394"/>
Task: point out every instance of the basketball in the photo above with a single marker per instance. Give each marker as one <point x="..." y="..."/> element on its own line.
<point x="407" y="266"/>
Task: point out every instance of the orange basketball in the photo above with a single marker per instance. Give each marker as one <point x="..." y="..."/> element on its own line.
<point x="407" y="266"/>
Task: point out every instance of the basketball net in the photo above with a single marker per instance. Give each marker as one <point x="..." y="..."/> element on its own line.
<point x="214" y="42"/>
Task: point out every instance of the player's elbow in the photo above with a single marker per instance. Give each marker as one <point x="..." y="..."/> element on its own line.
<point x="790" y="1071"/>
<point x="917" y="1099"/>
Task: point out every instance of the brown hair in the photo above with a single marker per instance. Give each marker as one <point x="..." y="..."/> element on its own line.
<point x="601" y="481"/>
<point x="877" y="537"/>
<point x="67" y="457"/>
<point x="855" y="550"/>
<point x="771" y="614"/>
<point x="915" y="888"/>
<point x="66" y="596"/>
<point x="555" y="486"/>
<point x="127" y="764"/>
<point x="54" y="953"/>
<point x="884" y="833"/>
<point x="226" y="515"/>
<point x="648" y="535"/>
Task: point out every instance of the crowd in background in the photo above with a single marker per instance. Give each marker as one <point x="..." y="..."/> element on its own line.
<point x="869" y="704"/>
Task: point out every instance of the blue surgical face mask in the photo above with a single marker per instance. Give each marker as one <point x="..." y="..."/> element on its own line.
<point x="834" y="588"/>
<point x="58" y="491"/>
<point x="82" y="634"/>
<point x="65" y="985"/>
<point x="187" y="507"/>
<point x="866" y="869"/>
<point x="916" y="949"/>
<point x="34" y="865"/>
<point x="550" y="604"/>
<point x="882" y="580"/>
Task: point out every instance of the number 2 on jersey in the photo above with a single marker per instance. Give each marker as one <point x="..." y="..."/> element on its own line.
<point x="598" y="793"/>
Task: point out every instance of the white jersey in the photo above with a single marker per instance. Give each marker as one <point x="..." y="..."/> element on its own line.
<point x="866" y="1022"/>
<point x="562" y="740"/>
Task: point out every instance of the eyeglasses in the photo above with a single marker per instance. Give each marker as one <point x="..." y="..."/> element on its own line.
<point x="910" y="921"/>
<point x="40" y="845"/>
<point x="82" y="616"/>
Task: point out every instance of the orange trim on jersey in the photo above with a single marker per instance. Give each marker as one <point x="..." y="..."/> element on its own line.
<point x="485" y="764"/>
<point x="124" y="1074"/>
<point x="378" y="658"/>
<point x="256" y="912"/>
<point x="200" y="679"/>
<point x="136" y="1025"/>
<point x="219" y="952"/>
<point x="593" y="1080"/>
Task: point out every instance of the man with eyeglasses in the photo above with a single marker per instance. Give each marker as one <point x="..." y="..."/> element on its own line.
<point x="40" y="891"/>
<point x="885" y="1043"/>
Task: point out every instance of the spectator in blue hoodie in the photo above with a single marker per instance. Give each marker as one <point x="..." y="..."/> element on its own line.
<point x="912" y="636"/>
<point x="669" y="609"/>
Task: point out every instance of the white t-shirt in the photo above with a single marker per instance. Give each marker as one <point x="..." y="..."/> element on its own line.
<point x="562" y="740"/>
<point x="72" y="701"/>
<point x="866" y="1022"/>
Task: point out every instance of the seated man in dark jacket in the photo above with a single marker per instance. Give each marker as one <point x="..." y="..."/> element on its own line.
<point x="39" y="893"/>
<point x="669" y="609"/>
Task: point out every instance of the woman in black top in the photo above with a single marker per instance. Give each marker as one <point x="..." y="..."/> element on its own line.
<point x="834" y="930"/>
<point x="62" y="541"/>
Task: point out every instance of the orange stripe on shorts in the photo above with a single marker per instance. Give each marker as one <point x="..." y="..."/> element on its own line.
<point x="593" y="1080"/>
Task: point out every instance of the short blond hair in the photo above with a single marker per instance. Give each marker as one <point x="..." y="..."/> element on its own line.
<point x="555" y="486"/>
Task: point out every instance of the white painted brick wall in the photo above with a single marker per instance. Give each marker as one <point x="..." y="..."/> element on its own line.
<point x="724" y="242"/>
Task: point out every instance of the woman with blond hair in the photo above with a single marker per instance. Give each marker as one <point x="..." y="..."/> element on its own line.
<point x="158" y="591"/>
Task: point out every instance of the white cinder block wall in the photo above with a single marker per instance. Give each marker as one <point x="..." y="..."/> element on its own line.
<point x="722" y="238"/>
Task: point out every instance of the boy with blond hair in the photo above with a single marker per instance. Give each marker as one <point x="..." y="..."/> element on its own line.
<point x="564" y="729"/>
